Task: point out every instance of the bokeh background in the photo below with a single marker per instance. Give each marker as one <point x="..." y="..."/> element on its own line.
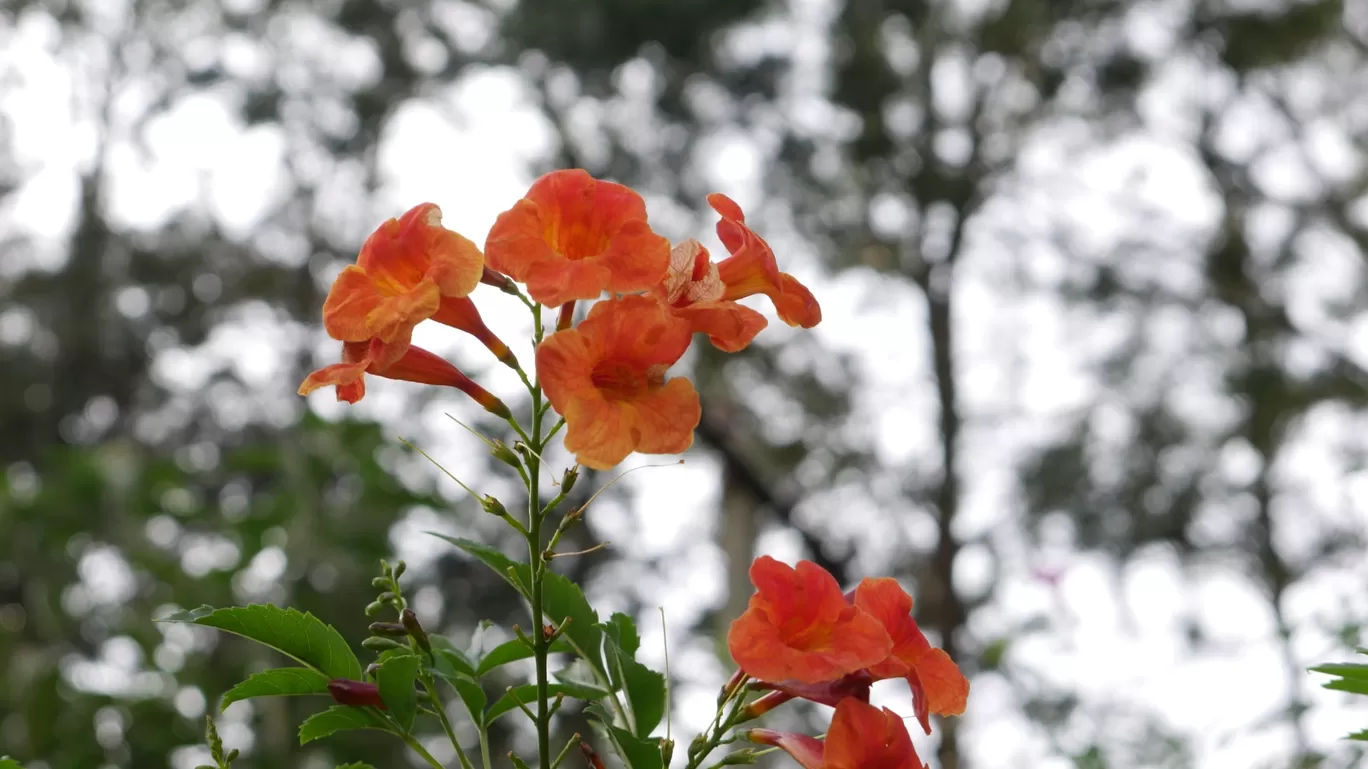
<point x="1091" y="380"/>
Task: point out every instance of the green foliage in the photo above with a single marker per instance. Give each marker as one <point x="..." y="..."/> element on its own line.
<point x="636" y="752"/>
<point x="1350" y="677"/>
<point x="396" y="679"/>
<point x="296" y="634"/>
<point x="338" y="718"/>
<point x="527" y="693"/>
<point x="277" y="682"/>
<point x="8" y="763"/>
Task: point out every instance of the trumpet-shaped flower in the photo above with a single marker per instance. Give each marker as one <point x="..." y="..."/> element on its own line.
<point x="751" y="269"/>
<point x="399" y="361"/>
<point x="693" y="290"/>
<point x="799" y="627"/>
<point x="944" y="689"/>
<point x="861" y="737"/>
<point x="405" y="270"/>
<point x="606" y="377"/>
<point x="574" y="237"/>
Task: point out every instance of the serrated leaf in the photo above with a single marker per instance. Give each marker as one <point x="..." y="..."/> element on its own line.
<point x="1344" y="669"/>
<point x="276" y="683"/>
<point x="395" y="680"/>
<point x="622" y="629"/>
<point x="527" y="695"/>
<point x="514" y="573"/>
<point x="636" y="753"/>
<point x="338" y="718"/>
<point x="645" y="689"/>
<point x="448" y="656"/>
<point x="562" y="599"/>
<point x="513" y="650"/>
<point x="1353" y="685"/>
<point x="298" y="635"/>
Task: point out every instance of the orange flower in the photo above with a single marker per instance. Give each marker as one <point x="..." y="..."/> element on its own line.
<point x="574" y="236"/>
<point x="752" y="269"/>
<point x="861" y="737"/>
<point x="404" y="271"/>
<point x="944" y="688"/>
<point x="799" y="627"/>
<point x="606" y="376"/>
<point x="694" y="292"/>
<point x="399" y="361"/>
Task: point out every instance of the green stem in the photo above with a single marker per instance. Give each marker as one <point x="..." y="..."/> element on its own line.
<point x="440" y="709"/>
<point x="418" y="748"/>
<point x="540" y="644"/>
<point x="720" y="726"/>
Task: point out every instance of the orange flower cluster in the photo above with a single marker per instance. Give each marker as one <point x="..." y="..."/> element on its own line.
<point x="571" y="238"/>
<point x="801" y="637"/>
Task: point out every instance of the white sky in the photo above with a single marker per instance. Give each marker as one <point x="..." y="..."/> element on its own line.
<point x="1114" y="637"/>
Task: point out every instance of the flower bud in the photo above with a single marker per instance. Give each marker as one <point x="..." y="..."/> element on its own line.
<point x="493" y="506"/>
<point x="381" y="583"/>
<point x="497" y="279"/>
<point x="504" y="454"/>
<point x="568" y="480"/>
<point x="399" y="569"/>
<point x="378" y="644"/>
<point x="374" y="607"/>
<point x="391" y="629"/>
<point x="345" y="691"/>
<point x="415" y="630"/>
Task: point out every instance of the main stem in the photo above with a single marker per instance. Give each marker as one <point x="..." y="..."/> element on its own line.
<point x="540" y="644"/>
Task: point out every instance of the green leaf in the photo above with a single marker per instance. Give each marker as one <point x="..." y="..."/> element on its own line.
<point x="8" y="763"/>
<point x="338" y="718"/>
<point x="1346" y="670"/>
<point x="475" y="650"/>
<point x="357" y="765"/>
<point x="395" y="679"/>
<point x="448" y="656"/>
<point x="513" y="650"/>
<point x="514" y="573"/>
<point x="275" y="683"/>
<point x="527" y="695"/>
<point x="1363" y="736"/>
<point x="636" y="753"/>
<point x="563" y="600"/>
<point x="1354" y="685"/>
<point x="622" y="629"/>
<point x="301" y="636"/>
<point x="645" y="689"/>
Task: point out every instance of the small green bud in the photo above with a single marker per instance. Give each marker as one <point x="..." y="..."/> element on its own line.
<point x="399" y="569"/>
<point x="504" y="454"/>
<point x="377" y="644"/>
<point x="232" y="756"/>
<point x="746" y="756"/>
<point x="372" y="670"/>
<point x="385" y="567"/>
<point x="667" y="750"/>
<point x="493" y="506"/>
<point x="568" y="480"/>
<point x="381" y="583"/>
<point x="388" y="597"/>
<point x="374" y="607"/>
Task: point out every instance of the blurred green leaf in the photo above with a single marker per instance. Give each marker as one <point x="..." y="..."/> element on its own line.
<point x="527" y="695"/>
<point x="338" y="718"/>
<point x="277" y="682"/>
<point x="511" y="571"/>
<point x="513" y="650"/>
<point x="295" y="634"/>
<point x="636" y="753"/>
<point x="645" y="688"/>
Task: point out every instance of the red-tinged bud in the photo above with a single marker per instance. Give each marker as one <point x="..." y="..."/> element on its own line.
<point x="730" y="686"/>
<point x="492" y="277"/>
<point x="357" y="694"/>
<point x="591" y="755"/>
<point x="415" y="630"/>
<point x="567" y="316"/>
<point x="462" y="314"/>
<point x="763" y="705"/>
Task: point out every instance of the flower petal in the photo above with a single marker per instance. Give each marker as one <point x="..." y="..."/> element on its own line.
<point x="351" y="300"/>
<point x="730" y="326"/>
<point x="865" y="737"/>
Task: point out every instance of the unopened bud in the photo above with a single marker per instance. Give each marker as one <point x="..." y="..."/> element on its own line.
<point x="392" y="629"/>
<point x="388" y="597"/>
<point x="415" y="630"/>
<point x="381" y="583"/>
<point x="374" y="607"/>
<point x="498" y="280"/>
<point x="568" y="480"/>
<point x="378" y="644"/>
<point x="372" y="670"/>
<point x="359" y="694"/>
<point x="399" y="569"/>
<point x="231" y="757"/>
<point x="666" y="751"/>
<point x="504" y="454"/>
<point x="493" y="506"/>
